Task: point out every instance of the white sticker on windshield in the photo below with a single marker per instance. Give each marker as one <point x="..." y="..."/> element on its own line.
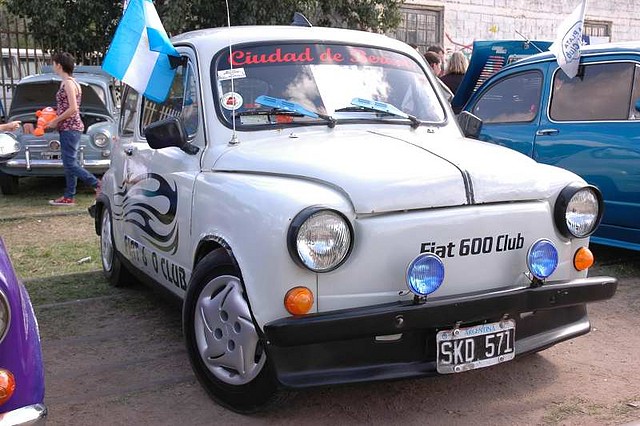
<point x="231" y="101"/>
<point x="231" y="73"/>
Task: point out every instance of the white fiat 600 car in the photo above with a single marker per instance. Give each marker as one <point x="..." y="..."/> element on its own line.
<point x="310" y="196"/>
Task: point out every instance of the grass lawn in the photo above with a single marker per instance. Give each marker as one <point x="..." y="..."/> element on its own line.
<point x="49" y="246"/>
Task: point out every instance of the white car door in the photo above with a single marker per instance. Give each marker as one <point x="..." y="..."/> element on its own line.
<point x="158" y="185"/>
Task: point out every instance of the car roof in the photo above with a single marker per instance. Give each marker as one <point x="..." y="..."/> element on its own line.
<point x="214" y="39"/>
<point x="82" y="73"/>
<point x="593" y="49"/>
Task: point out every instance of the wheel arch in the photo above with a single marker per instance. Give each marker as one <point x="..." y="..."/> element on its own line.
<point x="210" y="243"/>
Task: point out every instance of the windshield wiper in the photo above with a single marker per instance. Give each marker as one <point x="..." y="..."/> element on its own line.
<point x="283" y="105"/>
<point x="361" y="104"/>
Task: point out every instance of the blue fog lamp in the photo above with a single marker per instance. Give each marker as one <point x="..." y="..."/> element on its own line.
<point x="425" y="274"/>
<point x="542" y="259"/>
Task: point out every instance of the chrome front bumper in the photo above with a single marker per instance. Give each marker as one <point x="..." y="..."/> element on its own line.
<point x="42" y="164"/>
<point x="27" y="163"/>
<point x="31" y="415"/>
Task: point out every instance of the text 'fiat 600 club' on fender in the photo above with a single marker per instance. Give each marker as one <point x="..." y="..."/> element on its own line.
<point x="309" y="195"/>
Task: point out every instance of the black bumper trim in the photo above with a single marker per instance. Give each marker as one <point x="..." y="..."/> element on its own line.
<point x="384" y="319"/>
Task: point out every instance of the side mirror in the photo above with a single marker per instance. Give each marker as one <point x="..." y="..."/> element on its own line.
<point x="9" y="147"/>
<point x="470" y="124"/>
<point x="169" y="132"/>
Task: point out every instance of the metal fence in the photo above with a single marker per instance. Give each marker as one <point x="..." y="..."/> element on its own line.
<point x="22" y="55"/>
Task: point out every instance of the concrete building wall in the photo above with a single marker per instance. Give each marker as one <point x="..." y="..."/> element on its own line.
<point x="467" y="20"/>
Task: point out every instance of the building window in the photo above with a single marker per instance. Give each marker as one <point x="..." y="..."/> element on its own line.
<point x="597" y="31"/>
<point x="422" y="27"/>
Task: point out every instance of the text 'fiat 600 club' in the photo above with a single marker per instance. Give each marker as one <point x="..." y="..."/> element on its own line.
<point x="309" y="195"/>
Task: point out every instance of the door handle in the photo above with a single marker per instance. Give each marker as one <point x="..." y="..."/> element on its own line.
<point x="129" y="150"/>
<point x="547" y="132"/>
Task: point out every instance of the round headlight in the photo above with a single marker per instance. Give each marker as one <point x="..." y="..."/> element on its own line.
<point x="542" y="259"/>
<point x="319" y="239"/>
<point x="4" y="316"/>
<point x="100" y="140"/>
<point x="578" y="211"/>
<point x="425" y="274"/>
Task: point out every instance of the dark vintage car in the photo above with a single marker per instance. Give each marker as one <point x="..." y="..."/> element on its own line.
<point x="589" y="124"/>
<point x="40" y="155"/>
<point x="21" y="370"/>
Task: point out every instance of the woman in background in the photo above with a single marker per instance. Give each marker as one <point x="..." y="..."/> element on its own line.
<point x="455" y="71"/>
<point x="70" y="127"/>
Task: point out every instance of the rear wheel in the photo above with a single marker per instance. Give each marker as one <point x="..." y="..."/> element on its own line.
<point x="112" y="267"/>
<point x="222" y="340"/>
<point x="8" y="184"/>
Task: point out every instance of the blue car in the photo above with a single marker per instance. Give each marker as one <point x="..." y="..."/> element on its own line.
<point x="589" y="124"/>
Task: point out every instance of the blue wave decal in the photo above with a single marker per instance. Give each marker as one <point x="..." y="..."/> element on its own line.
<point x="135" y="209"/>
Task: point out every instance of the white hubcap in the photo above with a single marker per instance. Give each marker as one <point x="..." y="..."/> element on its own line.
<point x="106" y="245"/>
<point x="225" y="334"/>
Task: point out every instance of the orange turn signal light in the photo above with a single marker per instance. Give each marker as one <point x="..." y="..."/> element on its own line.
<point x="7" y="385"/>
<point x="298" y="300"/>
<point x="583" y="259"/>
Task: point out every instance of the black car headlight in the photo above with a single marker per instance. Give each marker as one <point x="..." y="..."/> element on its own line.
<point x="319" y="239"/>
<point x="578" y="210"/>
<point x="5" y="316"/>
<point x="100" y="140"/>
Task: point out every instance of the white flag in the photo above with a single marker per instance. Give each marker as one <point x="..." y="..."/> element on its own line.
<point x="566" y="47"/>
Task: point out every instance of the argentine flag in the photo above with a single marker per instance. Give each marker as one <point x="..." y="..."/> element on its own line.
<point x="139" y="52"/>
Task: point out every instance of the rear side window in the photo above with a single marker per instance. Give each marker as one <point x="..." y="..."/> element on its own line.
<point x="514" y="99"/>
<point x="598" y="92"/>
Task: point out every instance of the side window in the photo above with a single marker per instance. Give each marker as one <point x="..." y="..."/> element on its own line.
<point x="598" y="92"/>
<point x="634" y="114"/>
<point x="182" y="102"/>
<point x="514" y="99"/>
<point x="191" y="109"/>
<point x="128" y="113"/>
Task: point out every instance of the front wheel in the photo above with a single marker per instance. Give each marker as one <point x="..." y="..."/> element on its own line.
<point x="222" y="340"/>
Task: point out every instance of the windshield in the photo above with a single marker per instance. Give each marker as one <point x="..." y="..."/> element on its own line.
<point x="322" y="78"/>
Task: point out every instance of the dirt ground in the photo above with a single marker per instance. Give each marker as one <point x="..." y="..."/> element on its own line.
<point x="120" y="360"/>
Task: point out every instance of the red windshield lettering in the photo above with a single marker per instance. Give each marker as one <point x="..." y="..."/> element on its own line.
<point x="239" y="57"/>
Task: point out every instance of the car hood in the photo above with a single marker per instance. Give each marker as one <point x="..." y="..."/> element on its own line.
<point x="395" y="170"/>
<point x="32" y="96"/>
<point x="487" y="58"/>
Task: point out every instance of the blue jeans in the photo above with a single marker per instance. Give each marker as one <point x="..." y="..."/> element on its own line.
<point x="69" y="144"/>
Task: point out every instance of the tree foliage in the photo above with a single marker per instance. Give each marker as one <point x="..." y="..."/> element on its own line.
<point x="88" y="25"/>
<point x="72" y="25"/>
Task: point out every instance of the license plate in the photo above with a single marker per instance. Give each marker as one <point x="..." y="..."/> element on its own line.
<point x="464" y="349"/>
<point x="50" y="155"/>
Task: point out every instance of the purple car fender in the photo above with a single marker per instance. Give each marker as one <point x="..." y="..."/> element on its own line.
<point x="20" y="351"/>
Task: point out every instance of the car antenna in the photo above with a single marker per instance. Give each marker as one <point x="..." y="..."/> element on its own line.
<point x="234" y="136"/>
<point x="528" y="42"/>
<point x="299" y="20"/>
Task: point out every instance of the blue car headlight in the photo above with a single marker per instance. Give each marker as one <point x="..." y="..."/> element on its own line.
<point x="542" y="259"/>
<point x="425" y="274"/>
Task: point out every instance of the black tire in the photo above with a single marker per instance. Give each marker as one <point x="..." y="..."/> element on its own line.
<point x="8" y="184"/>
<point x="218" y="283"/>
<point x="113" y="269"/>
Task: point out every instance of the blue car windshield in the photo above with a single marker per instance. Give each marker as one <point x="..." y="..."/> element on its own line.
<point x="322" y="78"/>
